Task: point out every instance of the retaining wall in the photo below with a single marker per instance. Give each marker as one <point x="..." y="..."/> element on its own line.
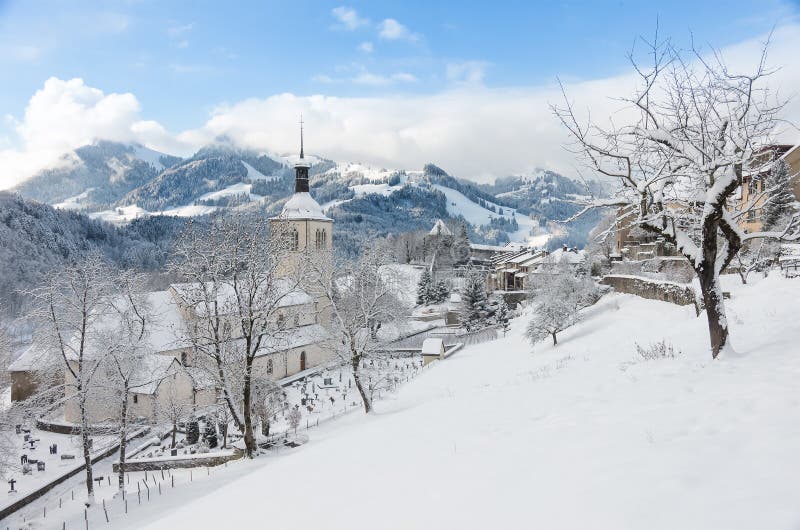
<point x="674" y="293"/>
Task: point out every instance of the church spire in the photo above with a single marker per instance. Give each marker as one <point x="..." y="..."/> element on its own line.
<point x="301" y="167"/>
<point x="301" y="135"/>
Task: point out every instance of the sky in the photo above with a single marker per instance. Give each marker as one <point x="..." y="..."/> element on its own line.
<point x="466" y="85"/>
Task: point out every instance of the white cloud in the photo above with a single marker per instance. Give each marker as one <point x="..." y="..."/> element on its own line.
<point x="368" y="78"/>
<point x="470" y="130"/>
<point x="366" y="47"/>
<point x="390" y="29"/>
<point x="348" y="18"/>
<point x="63" y="115"/>
<point x="471" y="72"/>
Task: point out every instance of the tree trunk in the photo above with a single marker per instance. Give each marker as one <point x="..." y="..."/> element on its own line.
<point x="87" y="456"/>
<point x="356" y="376"/>
<point x="123" y="440"/>
<point x="715" y="308"/>
<point x="174" y="433"/>
<point x="249" y="437"/>
<point x="555" y="341"/>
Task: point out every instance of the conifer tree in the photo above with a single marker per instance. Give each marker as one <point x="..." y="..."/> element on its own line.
<point x="424" y="288"/>
<point x="474" y="304"/>
<point x="781" y="198"/>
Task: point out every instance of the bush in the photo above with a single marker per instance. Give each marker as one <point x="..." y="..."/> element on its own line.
<point x="657" y="350"/>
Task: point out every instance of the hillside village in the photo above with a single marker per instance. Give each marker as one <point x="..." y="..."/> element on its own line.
<point x="243" y="334"/>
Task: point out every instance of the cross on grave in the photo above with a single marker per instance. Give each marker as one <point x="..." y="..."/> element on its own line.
<point x="18" y="428"/>
<point x="54" y="449"/>
<point x="99" y="480"/>
<point x="39" y="466"/>
<point x="23" y="459"/>
<point x="12" y="482"/>
<point x="33" y="444"/>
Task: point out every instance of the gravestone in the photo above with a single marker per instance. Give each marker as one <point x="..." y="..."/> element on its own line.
<point x="40" y="466"/>
<point x="11" y="483"/>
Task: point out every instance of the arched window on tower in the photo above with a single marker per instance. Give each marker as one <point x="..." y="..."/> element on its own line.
<point x="317" y="239"/>
<point x="324" y="238"/>
<point x="295" y="239"/>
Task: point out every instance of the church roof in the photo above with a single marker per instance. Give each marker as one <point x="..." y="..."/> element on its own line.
<point x="440" y="229"/>
<point x="302" y="206"/>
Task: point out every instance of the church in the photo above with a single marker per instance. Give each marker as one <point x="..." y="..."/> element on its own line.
<point x="172" y="359"/>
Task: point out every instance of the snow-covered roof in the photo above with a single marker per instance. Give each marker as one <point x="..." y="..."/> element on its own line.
<point x="490" y="248"/>
<point x="29" y="359"/>
<point x="432" y="347"/>
<point x="302" y="206"/>
<point x="440" y="229"/>
<point x="571" y="256"/>
<point x="294" y="338"/>
<point x="285" y="289"/>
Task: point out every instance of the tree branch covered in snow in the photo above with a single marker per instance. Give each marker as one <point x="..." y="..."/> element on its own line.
<point x="691" y="130"/>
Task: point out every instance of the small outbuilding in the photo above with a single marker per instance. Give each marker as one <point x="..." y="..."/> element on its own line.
<point x="432" y="350"/>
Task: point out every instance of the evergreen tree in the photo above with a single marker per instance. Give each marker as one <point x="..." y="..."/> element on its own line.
<point x="440" y="292"/>
<point x="424" y="288"/>
<point x="192" y="432"/>
<point x="781" y="198"/>
<point x="461" y="248"/>
<point x="502" y="315"/>
<point x="210" y="435"/>
<point x="474" y="304"/>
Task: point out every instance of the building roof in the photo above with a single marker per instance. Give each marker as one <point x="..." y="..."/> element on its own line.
<point x="302" y="206"/>
<point x="293" y="338"/>
<point x="440" y="229"/>
<point x="492" y="248"/>
<point x="432" y="347"/>
<point x="286" y="293"/>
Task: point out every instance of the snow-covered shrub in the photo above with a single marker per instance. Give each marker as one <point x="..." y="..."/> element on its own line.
<point x="657" y="350"/>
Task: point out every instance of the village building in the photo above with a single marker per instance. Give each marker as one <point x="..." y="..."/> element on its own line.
<point x="174" y="369"/>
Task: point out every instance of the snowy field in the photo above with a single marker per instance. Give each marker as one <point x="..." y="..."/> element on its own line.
<point x="583" y="435"/>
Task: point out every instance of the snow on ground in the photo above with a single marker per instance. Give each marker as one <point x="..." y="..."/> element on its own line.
<point x="148" y="155"/>
<point x="234" y="189"/>
<point x="583" y="435"/>
<point x="121" y="215"/>
<point x="460" y="204"/>
<point x="254" y="174"/>
<point x="73" y="203"/>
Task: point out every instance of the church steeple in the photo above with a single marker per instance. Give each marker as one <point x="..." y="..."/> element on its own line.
<point x="301" y="167"/>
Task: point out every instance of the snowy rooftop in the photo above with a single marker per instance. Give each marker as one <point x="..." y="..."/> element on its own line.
<point x="440" y="229"/>
<point x="285" y="289"/>
<point x="432" y="347"/>
<point x="302" y="206"/>
<point x="294" y="338"/>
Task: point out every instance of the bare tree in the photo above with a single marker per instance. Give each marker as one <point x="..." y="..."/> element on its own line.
<point x="126" y="367"/>
<point x="558" y="297"/>
<point x="69" y="308"/>
<point x="365" y="308"/>
<point x="696" y="128"/>
<point x="174" y="408"/>
<point x="238" y="285"/>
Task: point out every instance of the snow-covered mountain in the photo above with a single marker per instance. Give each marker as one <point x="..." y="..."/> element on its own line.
<point x="96" y="176"/>
<point x="119" y="182"/>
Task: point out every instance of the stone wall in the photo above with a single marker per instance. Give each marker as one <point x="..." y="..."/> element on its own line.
<point x="209" y="460"/>
<point x="674" y="293"/>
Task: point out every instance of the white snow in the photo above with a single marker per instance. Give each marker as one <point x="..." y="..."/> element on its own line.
<point x="121" y="215"/>
<point x="302" y="206"/>
<point x="459" y="204"/>
<point x="254" y="174"/>
<point x="582" y="435"/>
<point x="74" y="203"/>
<point x="148" y="155"/>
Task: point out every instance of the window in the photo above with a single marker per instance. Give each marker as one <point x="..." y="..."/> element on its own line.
<point x="184" y="358"/>
<point x="295" y="239"/>
<point x="321" y="238"/>
<point x="296" y="319"/>
<point x="135" y="399"/>
<point x="269" y="366"/>
<point x="281" y="321"/>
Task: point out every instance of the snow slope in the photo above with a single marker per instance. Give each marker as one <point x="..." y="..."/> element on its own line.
<point x="583" y="435"/>
<point x="459" y="204"/>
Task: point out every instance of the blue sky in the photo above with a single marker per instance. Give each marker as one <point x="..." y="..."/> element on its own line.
<point x="183" y="61"/>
